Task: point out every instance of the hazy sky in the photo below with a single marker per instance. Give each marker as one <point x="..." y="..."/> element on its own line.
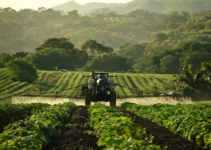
<point x="34" y="4"/>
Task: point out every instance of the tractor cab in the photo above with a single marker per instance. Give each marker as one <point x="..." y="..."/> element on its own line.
<point x="101" y="75"/>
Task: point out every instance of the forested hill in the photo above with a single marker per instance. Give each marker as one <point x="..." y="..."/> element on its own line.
<point x="159" y="6"/>
<point x="72" y="5"/>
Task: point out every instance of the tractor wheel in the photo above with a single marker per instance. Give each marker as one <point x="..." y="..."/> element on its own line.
<point x="88" y="98"/>
<point x="113" y="99"/>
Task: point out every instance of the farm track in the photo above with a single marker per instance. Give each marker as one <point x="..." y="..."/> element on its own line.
<point x="162" y="136"/>
<point x="132" y="82"/>
<point x="73" y="137"/>
<point x="20" y="115"/>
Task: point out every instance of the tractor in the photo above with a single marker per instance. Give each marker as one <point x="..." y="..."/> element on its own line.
<point x="100" y="87"/>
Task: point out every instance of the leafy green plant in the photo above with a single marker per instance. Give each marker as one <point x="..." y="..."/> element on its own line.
<point x="192" y="121"/>
<point x="35" y="132"/>
<point x="115" y="131"/>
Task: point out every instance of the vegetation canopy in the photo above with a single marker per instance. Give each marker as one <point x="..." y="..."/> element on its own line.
<point x="22" y="70"/>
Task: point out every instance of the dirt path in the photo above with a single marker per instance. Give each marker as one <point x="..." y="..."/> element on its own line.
<point x="162" y="136"/>
<point x="72" y="137"/>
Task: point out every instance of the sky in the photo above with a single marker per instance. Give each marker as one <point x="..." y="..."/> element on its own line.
<point x="34" y="4"/>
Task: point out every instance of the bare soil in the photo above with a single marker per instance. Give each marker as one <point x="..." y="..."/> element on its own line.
<point x="72" y="136"/>
<point x="162" y="136"/>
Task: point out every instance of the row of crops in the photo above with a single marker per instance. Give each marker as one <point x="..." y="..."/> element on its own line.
<point x="35" y="132"/>
<point x="191" y="121"/>
<point x="115" y="130"/>
<point x="62" y="83"/>
<point x="66" y="81"/>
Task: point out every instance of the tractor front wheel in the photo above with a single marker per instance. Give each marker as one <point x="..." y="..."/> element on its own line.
<point x="113" y="98"/>
<point x="88" y="98"/>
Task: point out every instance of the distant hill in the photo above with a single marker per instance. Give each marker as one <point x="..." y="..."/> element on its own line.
<point x="72" y="5"/>
<point x="158" y="6"/>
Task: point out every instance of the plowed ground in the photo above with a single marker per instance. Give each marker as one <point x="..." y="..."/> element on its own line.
<point x="72" y="136"/>
<point x="162" y="136"/>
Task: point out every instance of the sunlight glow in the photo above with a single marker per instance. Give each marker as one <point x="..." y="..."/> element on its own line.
<point x="34" y="4"/>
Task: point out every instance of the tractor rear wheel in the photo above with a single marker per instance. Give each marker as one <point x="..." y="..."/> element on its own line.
<point x="88" y="98"/>
<point x="113" y="98"/>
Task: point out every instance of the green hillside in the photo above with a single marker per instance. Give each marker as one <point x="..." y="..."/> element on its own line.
<point x="159" y="6"/>
<point x="53" y="81"/>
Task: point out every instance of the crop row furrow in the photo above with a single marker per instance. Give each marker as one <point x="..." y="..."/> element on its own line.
<point x="16" y="91"/>
<point x="137" y="83"/>
<point x="8" y="86"/>
<point x="118" y="132"/>
<point x="73" y="91"/>
<point x="2" y="85"/>
<point x="191" y="121"/>
<point x="64" y="83"/>
<point x="6" y="75"/>
<point x="17" y="86"/>
<point x="41" y="76"/>
<point x="57" y="84"/>
<point x="122" y="83"/>
<point x="149" y="80"/>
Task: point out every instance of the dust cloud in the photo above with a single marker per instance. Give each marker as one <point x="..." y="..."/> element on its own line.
<point x="141" y="101"/>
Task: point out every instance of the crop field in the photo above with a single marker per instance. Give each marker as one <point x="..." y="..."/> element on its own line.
<point x="136" y="123"/>
<point x="129" y="126"/>
<point x="50" y="82"/>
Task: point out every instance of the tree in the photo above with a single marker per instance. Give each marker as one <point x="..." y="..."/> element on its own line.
<point x="4" y="58"/>
<point x="73" y="14"/>
<point x="57" y="43"/>
<point x="49" y="57"/>
<point x="200" y="81"/>
<point x="167" y="64"/>
<point x="21" y="70"/>
<point x="96" y="48"/>
<point x="20" y="54"/>
<point x="108" y="62"/>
